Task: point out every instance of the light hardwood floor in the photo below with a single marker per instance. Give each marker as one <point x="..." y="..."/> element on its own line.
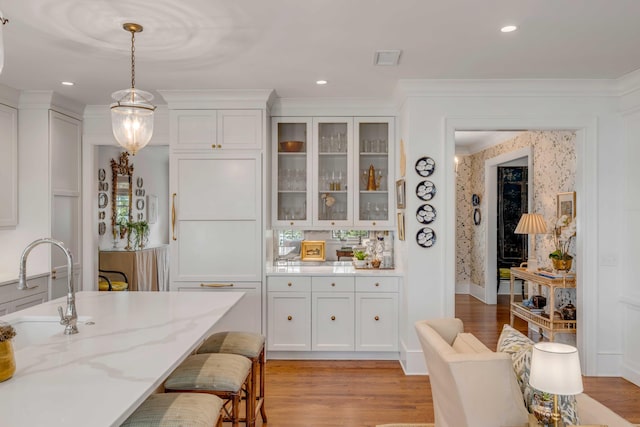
<point x="362" y="394"/>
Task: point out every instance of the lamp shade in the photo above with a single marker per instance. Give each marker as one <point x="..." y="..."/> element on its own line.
<point x="555" y="369"/>
<point x="132" y="118"/>
<point x="531" y="223"/>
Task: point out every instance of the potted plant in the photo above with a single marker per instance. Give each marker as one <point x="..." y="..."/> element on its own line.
<point x="563" y="232"/>
<point x="141" y="233"/>
<point x="359" y="258"/>
<point x="7" y="359"/>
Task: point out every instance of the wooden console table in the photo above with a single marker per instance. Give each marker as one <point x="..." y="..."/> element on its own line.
<point x="551" y="324"/>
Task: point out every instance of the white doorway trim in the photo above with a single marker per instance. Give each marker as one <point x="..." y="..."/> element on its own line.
<point x="586" y="128"/>
<point x="491" y="208"/>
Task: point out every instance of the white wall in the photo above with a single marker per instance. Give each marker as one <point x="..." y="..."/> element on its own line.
<point x="430" y="113"/>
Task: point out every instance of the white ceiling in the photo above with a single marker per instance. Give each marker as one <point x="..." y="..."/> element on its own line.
<point x="287" y="45"/>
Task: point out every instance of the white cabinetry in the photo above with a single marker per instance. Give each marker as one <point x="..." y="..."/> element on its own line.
<point x="332" y="313"/>
<point x="339" y="177"/>
<point x="8" y="166"/>
<point x="216" y="180"/>
<point x="289" y="313"/>
<point x="12" y="299"/>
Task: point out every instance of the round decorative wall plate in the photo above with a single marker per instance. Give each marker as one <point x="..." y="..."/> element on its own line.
<point x="426" y="214"/>
<point x="140" y="204"/>
<point x="140" y="182"/>
<point x="426" y="237"/>
<point x="477" y="217"/>
<point x="426" y="190"/>
<point x="101" y="174"/>
<point x="475" y="200"/>
<point x="102" y="227"/>
<point x="425" y="166"/>
<point x="102" y="200"/>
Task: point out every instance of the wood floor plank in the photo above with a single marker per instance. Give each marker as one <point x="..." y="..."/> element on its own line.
<point x="366" y="393"/>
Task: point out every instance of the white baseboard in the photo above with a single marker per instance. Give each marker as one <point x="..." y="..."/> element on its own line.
<point x="630" y="373"/>
<point x="332" y="355"/>
<point x="412" y="361"/>
<point x="462" y="288"/>
<point x="477" y="292"/>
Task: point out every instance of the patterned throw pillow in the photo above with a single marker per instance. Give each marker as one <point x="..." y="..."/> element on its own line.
<point x="520" y="347"/>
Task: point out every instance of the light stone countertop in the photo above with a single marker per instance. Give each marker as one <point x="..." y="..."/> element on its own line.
<point x="99" y="376"/>
<point x="341" y="268"/>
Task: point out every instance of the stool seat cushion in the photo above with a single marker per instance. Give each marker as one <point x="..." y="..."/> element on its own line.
<point x="210" y="372"/>
<point x="175" y="410"/>
<point x="115" y="286"/>
<point x="243" y="343"/>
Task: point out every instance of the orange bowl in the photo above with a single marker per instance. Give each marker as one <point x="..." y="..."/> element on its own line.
<point x="291" y="146"/>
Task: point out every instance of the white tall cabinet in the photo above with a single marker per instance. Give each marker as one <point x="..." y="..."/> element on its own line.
<point x="9" y="166"/>
<point x="217" y="200"/>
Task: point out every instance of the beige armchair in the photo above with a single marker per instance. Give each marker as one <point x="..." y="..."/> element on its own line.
<point x="471" y="385"/>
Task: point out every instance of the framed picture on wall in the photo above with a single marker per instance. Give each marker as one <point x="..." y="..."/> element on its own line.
<point x="312" y="250"/>
<point x="400" y="194"/>
<point x="566" y="204"/>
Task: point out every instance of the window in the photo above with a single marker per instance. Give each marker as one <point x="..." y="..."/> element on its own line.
<point x="349" y="234"/>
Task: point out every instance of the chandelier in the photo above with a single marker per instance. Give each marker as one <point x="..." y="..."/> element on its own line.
<point x="132" y="111"/>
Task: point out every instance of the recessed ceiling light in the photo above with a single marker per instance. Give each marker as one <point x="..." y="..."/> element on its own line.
<point x="387" y="57"/>
<point x="68" y="83"/>
<point x="508" y="28"/>
<point x="321" y="82"/>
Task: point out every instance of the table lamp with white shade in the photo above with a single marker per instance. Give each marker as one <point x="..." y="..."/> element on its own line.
<point x="555" y="369"/>
<point x="531" y="224"/>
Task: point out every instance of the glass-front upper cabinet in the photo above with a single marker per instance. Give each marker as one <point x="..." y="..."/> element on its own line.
<point x="374" y="162"/>
<point x="292" y="166"/>
<point x="333" y="203"/>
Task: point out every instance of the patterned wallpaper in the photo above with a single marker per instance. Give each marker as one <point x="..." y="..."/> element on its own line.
<point x="554" y="170"/>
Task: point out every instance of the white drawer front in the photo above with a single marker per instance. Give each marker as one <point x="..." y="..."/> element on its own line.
<point x="332" y="284"/>
<point x="289" y="284"/>
<point x="377" y="284"/>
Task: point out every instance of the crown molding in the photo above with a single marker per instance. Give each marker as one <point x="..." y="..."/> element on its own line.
<point x="333" y="107"/>
<point x="504" y="88"/>
<point x="189" y="99"/>
<point x="47" y="99"/>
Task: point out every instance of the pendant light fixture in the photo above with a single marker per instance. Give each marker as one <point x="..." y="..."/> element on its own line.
<point x="3" y="21"/>
<point x="132" y="111"/>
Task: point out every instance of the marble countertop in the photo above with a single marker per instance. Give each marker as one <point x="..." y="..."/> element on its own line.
<point x="332" y="268"/>
<point x="100" y="375"/>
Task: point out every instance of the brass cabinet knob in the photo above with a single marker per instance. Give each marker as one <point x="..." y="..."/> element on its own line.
<point x="333" y="223"/>
<point x="377" y="284"/>
<point x="377" y="318"/>
<point x="213" y="146"/>
<point x="289" y="284"/>
<point x="291" y="223"/>
<point x="333" y="317"/>
<point x="219" y="145"/>
<point x="333" y="284"/>
<point x="374" y="223"/>
<point x="289" y="317"/>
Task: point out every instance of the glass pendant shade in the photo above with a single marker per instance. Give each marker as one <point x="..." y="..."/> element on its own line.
<point x="132" y="118"/>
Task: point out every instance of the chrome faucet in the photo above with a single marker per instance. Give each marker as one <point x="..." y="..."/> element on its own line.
<point x="70" y="317"/>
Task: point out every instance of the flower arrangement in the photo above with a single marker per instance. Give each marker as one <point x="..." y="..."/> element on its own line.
<point x="563" y="232"/>
<point x="6" y="332"/>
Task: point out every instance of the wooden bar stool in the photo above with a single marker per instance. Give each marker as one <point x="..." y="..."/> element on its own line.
<point x="177" y="409"/>
<point x="223" y="375"/>
<point x="246" y="344"/>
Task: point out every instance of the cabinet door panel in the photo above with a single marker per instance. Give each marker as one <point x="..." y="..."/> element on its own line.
<point x="193" y="129"/>
<point x="240" y="129"/>
<point x="9" y="166"/>
<point x="376" y="322"/>
<point x="289" y="324"/>
<point x="218" y="188"/>
<point x="245" y="316"/>
<point x="222" y="250"/>
<point x="333" y="322"/>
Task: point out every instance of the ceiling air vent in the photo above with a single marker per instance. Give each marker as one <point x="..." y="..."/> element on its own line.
<point x="387" y="57"/>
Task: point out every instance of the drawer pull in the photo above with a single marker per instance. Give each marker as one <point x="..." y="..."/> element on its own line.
<point x="219" y="145"/>
<point x="333" y="317"/>
<point x="289" y="284"/>
<point x="291" y="223"/>
<point x="377" y="284"/>
<point x="374" y="223"/>
<point x="216" y="285"/>
<point x="289" y="318"/>
<point x="333" y="223"/>
<point x="377" y="318"/>
<point x="333" y="284"/>
<point x="173" y="216"/>
<point x="213" y="146"/>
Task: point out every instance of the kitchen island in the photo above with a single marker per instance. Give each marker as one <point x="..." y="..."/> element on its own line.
<point x="127" y="345"/>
